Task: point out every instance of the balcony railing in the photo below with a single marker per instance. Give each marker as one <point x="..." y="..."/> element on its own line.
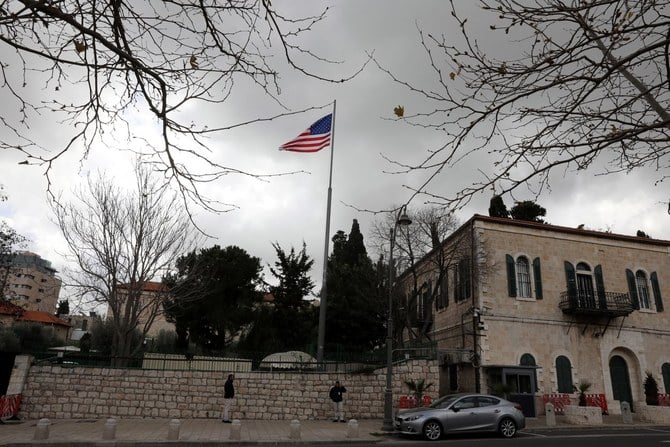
<point x="611" y="304"/>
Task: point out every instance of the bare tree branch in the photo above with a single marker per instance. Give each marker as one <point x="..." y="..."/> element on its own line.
<point x="114" y="60"/>
<point x="587" y="88"/>
<point x="121" y="241"/>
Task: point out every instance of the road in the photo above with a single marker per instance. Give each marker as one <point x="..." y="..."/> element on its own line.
<point x="574" y="437"/>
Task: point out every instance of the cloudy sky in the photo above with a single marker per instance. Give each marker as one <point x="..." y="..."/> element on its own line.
<point x="291" y="209"/>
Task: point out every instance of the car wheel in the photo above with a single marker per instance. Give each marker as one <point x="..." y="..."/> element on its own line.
<point x="432" y="430"/>
<point x="507" y="428"/>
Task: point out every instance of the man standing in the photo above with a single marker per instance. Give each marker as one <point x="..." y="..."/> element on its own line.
<point x="338" y="404"/>
<point x="228" y="394"/>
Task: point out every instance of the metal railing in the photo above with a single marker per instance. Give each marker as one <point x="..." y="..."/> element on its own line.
<point x="603" y="303"/>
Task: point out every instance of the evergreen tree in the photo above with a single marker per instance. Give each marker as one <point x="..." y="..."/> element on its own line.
<point x="294" y="319"/>
<point x="497" y="207"/>
<point x="528" y="210"/>
<point x="356" y="318"/>
<point x="212" y="295"/>
<point x="63" y="307"/>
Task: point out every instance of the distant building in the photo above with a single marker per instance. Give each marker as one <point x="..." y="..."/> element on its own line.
<point x="151" y="297"/>
<point x="10" y="314"/>
<point x="32" y="283"/>
<point x="81" y="324"/>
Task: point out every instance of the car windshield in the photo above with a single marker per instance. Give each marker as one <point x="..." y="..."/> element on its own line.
<point x="444" y="401"/>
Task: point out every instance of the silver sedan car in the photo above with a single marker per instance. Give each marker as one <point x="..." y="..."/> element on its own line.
<point x="460" y="413"/>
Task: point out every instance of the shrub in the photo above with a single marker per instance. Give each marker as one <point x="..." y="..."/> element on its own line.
<point x="650" y="389"/>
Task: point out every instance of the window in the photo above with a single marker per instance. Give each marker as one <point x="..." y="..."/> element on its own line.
<point x="466" y="402"/>
<point x="443" y="296"/>
<point x="665" y="372"/>
<point x="523" y="276"/>
<point x="638" y="290"/>
<point x="564" y="374"/>
<point x="585" y="291"/>
<point x="462" y="280"/>
<point x="527" y="360"/>
<point x="642" y="289"/>
<point x="519" y="277"/>
<point x="485" y="401"/>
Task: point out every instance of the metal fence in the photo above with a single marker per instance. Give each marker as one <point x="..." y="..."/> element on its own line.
<point x="342" y="362"/>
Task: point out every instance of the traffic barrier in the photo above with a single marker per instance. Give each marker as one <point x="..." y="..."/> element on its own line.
<point x="410" y="401"/>
<point x="558" y="400"/>
<point x="597" y="400"/>
<point x="10" y="406"/>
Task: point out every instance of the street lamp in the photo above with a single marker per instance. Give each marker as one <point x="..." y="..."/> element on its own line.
<point x="403" y="220"/>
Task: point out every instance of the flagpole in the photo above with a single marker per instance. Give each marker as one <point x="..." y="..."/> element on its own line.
<point x="326" y="243"/>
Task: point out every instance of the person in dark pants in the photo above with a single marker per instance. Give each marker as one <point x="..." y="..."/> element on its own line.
<point x="338" y="402"/>
<point x="228" y="394"/>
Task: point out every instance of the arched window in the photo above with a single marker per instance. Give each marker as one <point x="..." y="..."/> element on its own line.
<point x="523" y="276"/>
<point x="665" y="372"/>
<point x="642" y="289"/>
<point x="585" y="286"/>
<point x="564" y="374"/>
<point x="527" y="360"/>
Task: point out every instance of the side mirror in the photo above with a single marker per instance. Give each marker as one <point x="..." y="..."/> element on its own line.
<point x="455" y="409"/>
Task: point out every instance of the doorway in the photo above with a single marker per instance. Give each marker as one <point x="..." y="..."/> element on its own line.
<point x="620" y="378"/>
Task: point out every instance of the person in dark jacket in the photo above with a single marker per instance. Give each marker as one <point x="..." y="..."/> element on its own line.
<point x="338" y="402"/>
<point x="228" y="394"/>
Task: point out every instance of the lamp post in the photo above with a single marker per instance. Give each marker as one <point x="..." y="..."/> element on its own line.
<point x="402" y="220"/>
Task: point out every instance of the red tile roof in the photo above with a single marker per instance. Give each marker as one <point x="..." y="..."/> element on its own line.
<point x="42" y="317"/>
<point x="149" y="286"/>
<point x="7" y="308"/>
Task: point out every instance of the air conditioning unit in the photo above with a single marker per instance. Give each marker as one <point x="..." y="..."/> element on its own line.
<point x="465" y="357"/>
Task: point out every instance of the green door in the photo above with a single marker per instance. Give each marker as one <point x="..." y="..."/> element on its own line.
<point x="620" y="380"/>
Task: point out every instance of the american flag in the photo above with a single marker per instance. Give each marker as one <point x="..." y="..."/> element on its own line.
<point x="315" y="138"/>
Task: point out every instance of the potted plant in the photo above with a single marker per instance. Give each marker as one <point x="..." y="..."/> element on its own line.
<point x="502" y="390"/>
<point x="650" y="389"/>
<point x="583" y="386"/>
<point x="418" y="388"/>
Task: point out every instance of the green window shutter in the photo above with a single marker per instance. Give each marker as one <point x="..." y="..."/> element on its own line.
<point x="600" y="287"/>
<point x="657" y="292"/>
<point x="445" y="289"/>
<point x="564" y="374"/>
<point x="570" y="279"/>
<point x="466" y="277"/>
<point x="457" y="288"/>
<point x="511" y="276"/>
<point x="632" y="289"/>
<point x="537" y="274"/>
<point x="665" y="372"/>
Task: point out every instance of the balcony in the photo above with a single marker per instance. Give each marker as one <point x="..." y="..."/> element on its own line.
<point x="610" y="304"/>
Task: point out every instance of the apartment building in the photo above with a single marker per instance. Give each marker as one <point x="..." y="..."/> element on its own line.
<point x="32" y="283"/>
<point x="537" y="308"/>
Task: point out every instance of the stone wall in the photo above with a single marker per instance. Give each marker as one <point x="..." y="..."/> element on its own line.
<point x="56" y="392"/>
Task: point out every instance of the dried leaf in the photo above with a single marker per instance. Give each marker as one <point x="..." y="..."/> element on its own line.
<point x="79" y="46"/>
<point x="194" y="62"/>
<point x="399" y="111"/>
<point x="452" y="75"/>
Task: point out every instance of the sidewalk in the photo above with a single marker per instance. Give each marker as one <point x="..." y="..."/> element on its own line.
<point x="147" y="432"/>
<point x="200" y="432"/>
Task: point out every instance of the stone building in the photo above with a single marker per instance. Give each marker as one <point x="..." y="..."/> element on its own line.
<point x="32" y="283"/>
<point x="150" y="306"/>
<point x="533" y="308"/>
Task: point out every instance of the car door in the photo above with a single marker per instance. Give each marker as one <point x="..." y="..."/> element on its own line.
<point x="462" y="415"/>
<point x="488" y="411"/>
